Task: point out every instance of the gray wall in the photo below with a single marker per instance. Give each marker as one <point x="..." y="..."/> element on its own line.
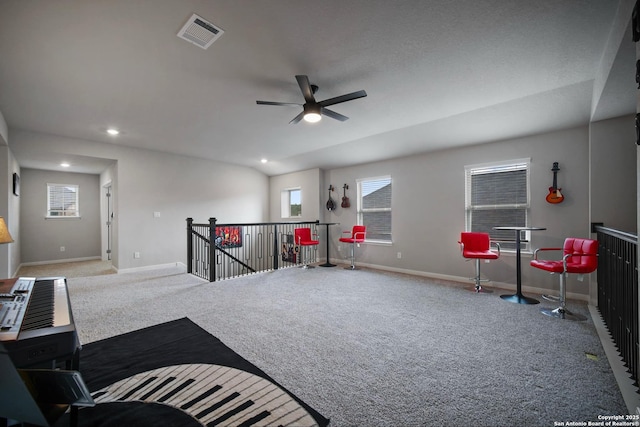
<point x="613" y="173"/>
<point x="428" y="199"/>
<point x="9" y="205"/>
<point x="42" y="238"/>
<point x="428" y="202"/>
<point x="177" y="187"/>
<point x="309" y="182"/>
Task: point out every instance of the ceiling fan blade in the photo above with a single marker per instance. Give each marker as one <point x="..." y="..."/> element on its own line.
<point x="305" y="87"/>
<point x="343" y="98"/>
<point x="276" y="103"/>
<point x="297" y="118"/>
<point x="334" y="115"/>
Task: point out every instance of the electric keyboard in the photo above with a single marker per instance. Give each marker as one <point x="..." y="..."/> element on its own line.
<point x="36" y="321"/>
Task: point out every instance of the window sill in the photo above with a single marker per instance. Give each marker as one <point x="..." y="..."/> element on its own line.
<point x="377" y="243"/>
<point x="62" y="217"/>
<point x="512" y="252"/>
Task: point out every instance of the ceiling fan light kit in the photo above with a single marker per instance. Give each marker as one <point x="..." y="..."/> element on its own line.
<point x="312" y="110"/>
<point x="312" y="113"/>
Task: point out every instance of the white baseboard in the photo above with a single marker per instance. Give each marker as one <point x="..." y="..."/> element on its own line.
<point x="152" y="267"/>
<point x="59" y="261"/>
<point x="465" y="280"/>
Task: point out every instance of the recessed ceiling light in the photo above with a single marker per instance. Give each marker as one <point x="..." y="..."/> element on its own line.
<point x="113" y="132"/>
<point x="65" y="164"/>
<point x="263" y="160"/>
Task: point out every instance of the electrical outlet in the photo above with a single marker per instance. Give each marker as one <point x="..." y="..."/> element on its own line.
<point x="399" y="255"/>
<point x="136" y="255"/>
<point x="62" y="248"/>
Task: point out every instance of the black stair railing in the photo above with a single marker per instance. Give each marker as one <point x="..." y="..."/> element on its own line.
<point x="618" y="292"/>
<point x="241" y="249"/>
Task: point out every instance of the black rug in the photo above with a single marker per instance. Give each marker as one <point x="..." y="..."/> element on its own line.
<point x="177" y="374"/>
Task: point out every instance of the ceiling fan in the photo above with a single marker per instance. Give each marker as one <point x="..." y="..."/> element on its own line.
<point x="312" y="110"/>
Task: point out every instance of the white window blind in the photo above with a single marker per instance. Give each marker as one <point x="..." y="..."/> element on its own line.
<point x="497" y="195"/>
<point x="374" y="207"/>
<point x="62" y="200"/>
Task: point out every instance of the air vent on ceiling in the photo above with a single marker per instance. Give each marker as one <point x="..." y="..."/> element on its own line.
<point x="200" y="32"/>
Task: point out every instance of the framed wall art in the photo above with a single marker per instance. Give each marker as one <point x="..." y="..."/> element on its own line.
<point x="229" y="237"/>
<point x="16" y="184"/>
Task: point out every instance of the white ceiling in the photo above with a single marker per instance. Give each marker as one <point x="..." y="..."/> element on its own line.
<point x="438" y="73"/>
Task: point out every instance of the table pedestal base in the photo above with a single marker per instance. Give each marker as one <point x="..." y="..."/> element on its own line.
<point x="327" y="264"/>
<point x="562" y="313"/>
<point x="519" y="299"/>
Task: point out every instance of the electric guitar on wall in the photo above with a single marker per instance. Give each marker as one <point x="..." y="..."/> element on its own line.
<point x="554" y="195"/>
<point x="330" y="203"/>
<point x="345" y="199"/>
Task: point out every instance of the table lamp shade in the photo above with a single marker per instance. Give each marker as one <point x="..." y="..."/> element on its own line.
<point x="5" y="236"/>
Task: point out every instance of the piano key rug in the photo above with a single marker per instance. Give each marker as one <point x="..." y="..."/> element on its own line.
<point x="177" y="374"/>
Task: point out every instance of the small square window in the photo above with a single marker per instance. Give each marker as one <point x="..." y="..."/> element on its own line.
<point x="62" y="201"/>
<point x="291" y="203"/>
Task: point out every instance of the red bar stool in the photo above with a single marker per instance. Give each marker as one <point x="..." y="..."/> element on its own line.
<point x="477" y="246"/>
<point x="303" y="238"/>
<point x="580" y="256"/>
<point x="357" y="235"/>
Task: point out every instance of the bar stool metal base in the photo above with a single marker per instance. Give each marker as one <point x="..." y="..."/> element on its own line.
<point x="480" y="290"/>
<point x="305" y="261"/>
<point x="562" y="313"/>
<point x="553" y="298"/>
<point x="477" y="279"/>
<point x="352" y="266"/>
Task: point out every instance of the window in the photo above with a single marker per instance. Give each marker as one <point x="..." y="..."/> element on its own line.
<point x="291" y="203"/>
<point x="374" y="207"/>
<point x="498" y="195"/>
<point x="62" y="201"/>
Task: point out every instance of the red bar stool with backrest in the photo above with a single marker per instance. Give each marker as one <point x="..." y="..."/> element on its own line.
<point x="580" y="256"/>
<point x="357" y="235"/>
<point x="477" y="246"/>
<point x="303" y="238"/>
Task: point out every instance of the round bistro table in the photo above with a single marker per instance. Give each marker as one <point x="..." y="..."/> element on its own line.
<point x="518" y="297"/>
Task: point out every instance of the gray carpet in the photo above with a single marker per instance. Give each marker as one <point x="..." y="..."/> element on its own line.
<point x="370" y="348"/>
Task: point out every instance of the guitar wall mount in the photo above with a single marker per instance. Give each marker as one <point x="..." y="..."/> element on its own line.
<point x="555" y="196"/>
<point x="345" y="199"/>
<point x="331" y="205"/>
